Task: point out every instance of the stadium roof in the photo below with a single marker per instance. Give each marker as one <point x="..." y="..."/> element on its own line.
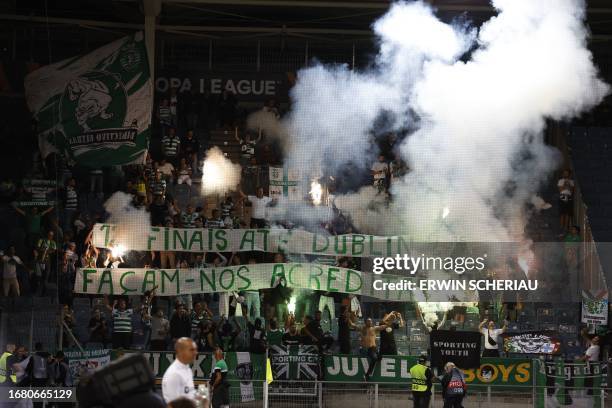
<point x="340" y="19"/>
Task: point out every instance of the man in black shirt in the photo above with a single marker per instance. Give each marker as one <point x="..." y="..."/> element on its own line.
<point x="392" y="321"/>
<point x="180" y="324"/>
<point x="344" y="330"/>
<point x="227" y="334"/>
<point x="159" y="210"/>
<point x="314" y="332"/>
<point x="292" y="337"/>
<point x="98" y="329"/>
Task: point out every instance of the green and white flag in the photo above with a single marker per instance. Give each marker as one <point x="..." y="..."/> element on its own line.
<point x="95" y="109"/>
<point x="285" y="183"/>
<point x="595" y="307"/>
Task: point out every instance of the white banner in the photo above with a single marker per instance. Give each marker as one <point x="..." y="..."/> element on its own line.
<point x="241" y="240"/>
<point x="173" y="282"/>
<point x="82" y="363"/>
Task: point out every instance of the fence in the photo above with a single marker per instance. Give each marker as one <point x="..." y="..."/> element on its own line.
<point x="323" y="394"/>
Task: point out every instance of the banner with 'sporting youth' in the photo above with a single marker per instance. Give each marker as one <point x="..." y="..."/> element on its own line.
<point x="173" y="282"/>
<point x="459" y="347"/>
<point x="244" y="240"/>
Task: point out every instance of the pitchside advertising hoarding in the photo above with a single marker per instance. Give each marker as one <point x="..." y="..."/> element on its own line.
<point x="247" y="86"/>
<point x="556" y="382"/>
<point x="301" y="363"/>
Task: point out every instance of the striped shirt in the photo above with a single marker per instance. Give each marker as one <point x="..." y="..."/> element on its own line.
<point x="122" y="320"/>
<point x="218" y="223"/>
<point x="71" y="199"/>
<point x="158" y="187"/>
<point x="226" y="208"/>
<point x="170" y="145"/>
<point x="195" y="322"/>
<point x="164" y="115"/>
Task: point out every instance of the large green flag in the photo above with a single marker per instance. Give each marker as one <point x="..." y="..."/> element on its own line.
<point x="95" y="109"/>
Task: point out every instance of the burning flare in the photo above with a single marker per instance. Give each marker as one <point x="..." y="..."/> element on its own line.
<point x="316" y="192"/>
<point x="118" y="250"/>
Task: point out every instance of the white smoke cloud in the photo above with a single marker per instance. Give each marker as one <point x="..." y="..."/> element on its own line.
<point x="477" y="156"/>
<point x="271" y="127"/>
<point x="219" y="174"/>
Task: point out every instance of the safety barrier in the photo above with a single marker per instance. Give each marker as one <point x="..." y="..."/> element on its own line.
<point x="322" y="394"/>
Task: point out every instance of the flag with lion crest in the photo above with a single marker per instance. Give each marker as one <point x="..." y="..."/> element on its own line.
<point x="95" y="109"/>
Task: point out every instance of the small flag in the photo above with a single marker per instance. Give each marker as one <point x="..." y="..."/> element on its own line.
<point x="269" y="376"/>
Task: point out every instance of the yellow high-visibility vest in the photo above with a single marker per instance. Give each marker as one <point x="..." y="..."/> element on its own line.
<point x="4" y="369"/>
<point x="419" y="379"/>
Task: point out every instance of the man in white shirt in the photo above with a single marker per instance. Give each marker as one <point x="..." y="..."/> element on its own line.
<point x="178" y="378"/>
<point x="259" y="203"/>
<point x="591" y="357"/>
<point x="491" y="337"/>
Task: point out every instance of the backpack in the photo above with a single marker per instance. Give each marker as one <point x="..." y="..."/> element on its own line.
<point x="456" y="385"/>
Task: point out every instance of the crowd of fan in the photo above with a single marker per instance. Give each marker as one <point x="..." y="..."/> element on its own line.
<point x="52" y="242"/>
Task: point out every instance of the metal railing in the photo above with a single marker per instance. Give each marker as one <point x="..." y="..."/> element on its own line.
<point x="321" y="394"/>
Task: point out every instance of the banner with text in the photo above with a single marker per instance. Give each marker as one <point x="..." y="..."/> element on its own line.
<point x="534" y="342"/>
<point x="571" y="384"/>
<point x="460" y="347"/>
<point x="300" y="363"/>
<point x="396" y="369"/>
<point x="174" y="282"/>
<point x="241" y="240"/>
<point x="83" y="363"/>
<point x="294" y="363"/>
<point x="246" y="86"/>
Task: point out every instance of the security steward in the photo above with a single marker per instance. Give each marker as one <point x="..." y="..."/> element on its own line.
<point x="7" y="377"/>
<point x="421" y="383"/>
